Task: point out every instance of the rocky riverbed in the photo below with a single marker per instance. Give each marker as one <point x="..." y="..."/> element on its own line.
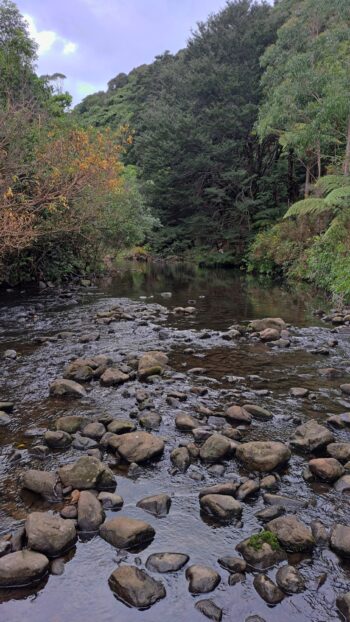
<point x="179" y="453"/>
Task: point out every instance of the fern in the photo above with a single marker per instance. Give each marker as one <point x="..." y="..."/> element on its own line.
<point x="339" y="197"/>
<point x="326" y="184"/>
<point x="308" y="206"/>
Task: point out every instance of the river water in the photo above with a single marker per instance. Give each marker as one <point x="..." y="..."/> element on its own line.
<point x="233" y="371"/>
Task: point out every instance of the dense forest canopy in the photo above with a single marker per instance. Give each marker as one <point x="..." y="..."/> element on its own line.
<point x="215" y="144"/>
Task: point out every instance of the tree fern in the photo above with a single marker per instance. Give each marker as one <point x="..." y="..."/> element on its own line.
<point x="308" y="206"/>
<point x="339" y="197"/>
<point x="326" y="184"/>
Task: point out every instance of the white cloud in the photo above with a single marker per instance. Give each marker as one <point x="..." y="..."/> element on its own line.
<point x="46" y="39"/>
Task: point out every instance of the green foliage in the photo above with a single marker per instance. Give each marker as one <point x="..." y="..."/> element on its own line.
<point x="326" y="184"/>
<point x="257" y="540"/>
<point x="308" y="206"/>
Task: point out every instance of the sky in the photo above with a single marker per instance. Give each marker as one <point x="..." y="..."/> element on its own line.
<point x="91" y="41"/>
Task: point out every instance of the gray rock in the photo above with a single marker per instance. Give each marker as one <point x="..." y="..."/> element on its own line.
<point x="311" y="436"/>
<point x="229" y="488"/>
<point x="267" y="589"/>
<point x="292" y="534"/>
<point x="90" y="513"/>
<point x="69" y="511"/>
<point x="139" y="446"/>
<point x="343" y="484"/>
<point x="126" y="533"/>
<point x="22" y="568"/>
<point x="42" y="483"/>
<point x="87" y="473"/>
<point x="263" y="455"/>
<point x="290" y="580"/>
<point x="158" y="505"/>
<point x="110" y="501"/>
<point x="340" y="540"/>
<point x="267" y="322"/>
<point x="289" y="504"/>
<point x="39" y="451"/>
<point x="121" y="426"/>
<point x="57" y="566"/>
<point x="260" y="558"/>
<point x="84" y="443"/>
<point x="10" y="354"/>
<point x="185" y="422"/>
<point x="113" y="377"/>
<point x="209" y="609"/>
<point x="319" y="532"/>
<point x="150" y="421"/>
<point x="5" y="419"/>
<point x="236" y="577"/>
<point x="94" y="430"/>
<point x="166" y="562"/>
<point x="233" y="564"/>
<point x="299" y="392"/>
<point x="202" y="579"/>
<point x="216" y="448"/>
<point x="237" y="414"/>
<point x="345" y="388"/>
<point x="57" y="440"/>
<point x="49" y="534"/>
<point x="258" y="412"/>
<point x="270" y="513"/>
<point x="326" y="469"/>
<point x="222" y="507"/>
<point x="248" y="488"/>
<point x="180" y="458"/>
<point x="70" y="423"/>
<point x="340" y="451"/>
<point x="67" y="388"/>
<point x="135" y="587"/>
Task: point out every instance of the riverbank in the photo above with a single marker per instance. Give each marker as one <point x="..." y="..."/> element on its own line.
<point x="121" y="321"/>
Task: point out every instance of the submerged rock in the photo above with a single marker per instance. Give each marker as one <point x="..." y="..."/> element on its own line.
<point x="135" y="587"/>
<point x="209" y="609"/>
<point x="290" y="580"/>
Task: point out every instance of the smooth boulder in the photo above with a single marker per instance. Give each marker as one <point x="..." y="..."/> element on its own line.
<point x="166" y="562"/>
<point x="126" y="533"/>
<point x="90" y="513"/>
<point x="292" y="534"/>
<point x="135" y="587"/>
<point x="67" y="389"/>
<point x="49" y="534"/>
<point x="222" y="507"/>
<point x="311" y="436"/>
<point x="263" y="455"/>
<point x="202" y="579"/>
<point x="22" y="568"/>
<point x="139" y="446"/>
<point x="158" y="505"/>
<point x="86" y="473"/>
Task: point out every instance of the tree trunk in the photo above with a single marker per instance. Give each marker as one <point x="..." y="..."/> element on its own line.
<point x="347" y="153"/>
<point x="319" y="165"/>
<point x="307" y="180"/>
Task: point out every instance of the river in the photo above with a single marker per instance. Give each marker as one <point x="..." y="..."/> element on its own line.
<point x="242" y="370"/>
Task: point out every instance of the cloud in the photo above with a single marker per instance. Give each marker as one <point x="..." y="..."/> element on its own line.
<point x="47" y="39"/>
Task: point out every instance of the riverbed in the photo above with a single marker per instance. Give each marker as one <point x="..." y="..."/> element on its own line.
<point x="45" y="329"/>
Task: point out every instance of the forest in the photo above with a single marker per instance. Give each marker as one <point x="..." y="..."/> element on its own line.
<point x="234" y="152"/>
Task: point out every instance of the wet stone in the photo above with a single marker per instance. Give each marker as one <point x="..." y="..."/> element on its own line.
<point x="340" y="540"/>
<point x="22" y="568"/>
<point x="289" y="504"/>
<point x="150" y="421"/>
<point x="69" y="511"/>
<point x="87" y="473"/>
<point x="126" y="533"/>
<point x="343" y="605"/>
<point x="166" y="562"/>
<point x="311" y="436"/>
<point x="180" y="458"/>
<point x="94" y="430"/>
<point x="270" y="513"/>
<point x="233" y="564"/>
<point x="250" y="487"/>
<point x="258" y="412"/>
<point x="57" y="566"/>
<point x="292" y="534"/>
<point x="222" y="507"/>
<point x="70" y="423"/>
<point x="67" y="389"/>
<point x="236" y="577"/>
<point x="202" y="579"/>
<point x="209" y="609"/>
<point x="158" y="505"/>
<point x="139" y="446"/>
<point x="121" y="426"/>
<point x="135" y="587"/>
<point x="326" y="469"/>
<point x="216" y="448"/>
<point x="263" y="455"/>
<point x="110" y="501"/>
<point x="228" y="488"/>
<point x="319" y="532"/>
<point x="267" y="589"/>
<point x="57" y="440"/>
<point x="343" y="484"/>
<point x="290" y="580"/>
<point x="238" y="415"/>
<point x="49" y="534"/>
<point x="90" y="513"/>
<point x="299" y="392"/>
<point x="42" y="483"/>
<point x="84" y="443"/>
<point x="340" y="451"/>
<point x="260" y="558"/>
